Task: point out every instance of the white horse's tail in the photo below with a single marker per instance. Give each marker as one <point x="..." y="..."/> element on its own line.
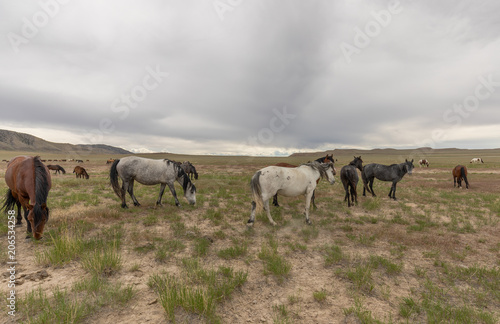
<point x="257" y="190"/>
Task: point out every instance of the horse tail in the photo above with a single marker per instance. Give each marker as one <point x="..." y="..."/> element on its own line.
<point x="256" y="189"/>
<point x="464" y="175"/>
<point x="9" y="202"/>
<point x="113" y="179"/>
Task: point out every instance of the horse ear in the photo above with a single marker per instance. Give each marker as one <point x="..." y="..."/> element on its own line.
<point x="411" y="160"/>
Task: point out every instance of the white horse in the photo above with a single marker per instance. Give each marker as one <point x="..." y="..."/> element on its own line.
<point x="289" y="182"/>
<point x="476" y="160"/>
<point x="149" y="172"/>
<point x="423" y="162"/>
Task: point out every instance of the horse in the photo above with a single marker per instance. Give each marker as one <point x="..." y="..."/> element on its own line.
<point x="29" y="183"/>
<point x="289" y="182"/>
<point x="476" y="160"/>
<point x="394" y="173"/>
<point x="423" y="162"/>
<point x="459" y="173"/>
<point x="109" y="161"/>
<point x="81" y="172"/>
<point x="189" y="169"/>
<point x="349" y="177"/>
<point x="325" y="159"/>
<point x="57" y="168"/>
<point x="149" y="172"/>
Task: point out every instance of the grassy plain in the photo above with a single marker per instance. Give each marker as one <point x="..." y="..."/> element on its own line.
<point x="432" y="256"/>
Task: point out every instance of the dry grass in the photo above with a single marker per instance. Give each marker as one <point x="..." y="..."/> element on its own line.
<point x="431" y="256"/>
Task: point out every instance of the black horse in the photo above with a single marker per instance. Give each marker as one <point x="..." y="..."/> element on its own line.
<point x="394" y="173"/>
<point x="350" y="178"/>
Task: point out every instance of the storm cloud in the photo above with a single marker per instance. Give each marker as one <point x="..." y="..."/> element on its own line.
<point x="252" y="77"/>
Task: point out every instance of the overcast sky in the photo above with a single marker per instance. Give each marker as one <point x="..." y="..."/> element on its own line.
<point x="252" y="77"/>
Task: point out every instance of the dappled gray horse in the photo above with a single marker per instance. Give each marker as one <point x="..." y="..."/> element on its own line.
<point x="190" y="170"/>
<point x="288" y="182"/>
<point x="149" y="172"/>
<point x="349" y="177"/>
<point x="394" y="173"/>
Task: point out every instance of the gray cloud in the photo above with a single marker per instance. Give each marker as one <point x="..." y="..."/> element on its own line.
<point x="227" y="78"/>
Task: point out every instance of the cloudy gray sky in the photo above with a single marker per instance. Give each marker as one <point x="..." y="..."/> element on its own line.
<point x="252" y="77"/>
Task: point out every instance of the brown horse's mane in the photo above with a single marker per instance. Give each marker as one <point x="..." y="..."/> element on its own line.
<point x="41" y="178"/>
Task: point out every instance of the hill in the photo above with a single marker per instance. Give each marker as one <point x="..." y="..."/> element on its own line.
<point x="14" y="141"/>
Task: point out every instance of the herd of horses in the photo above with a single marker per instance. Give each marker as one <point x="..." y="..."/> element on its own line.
<point x="29" y="181"/>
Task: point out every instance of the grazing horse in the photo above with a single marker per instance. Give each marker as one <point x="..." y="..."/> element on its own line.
<point x="109" y="161"/>
<point x="57" y="168"/>
<point x="29" y="183"/>
<point x="423" y="162"/>
<point x="459" y="173"/>
<point x="189" y="169"/>
<point x="476" y="160"/>
<point x="350" y="178"/>
<point x="394" y="173"/>
<point x="289" y="182"/>
<point x="81" y="172"/>
<point x="149" y="172"/>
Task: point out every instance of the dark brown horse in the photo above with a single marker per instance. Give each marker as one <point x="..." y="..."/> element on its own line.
<point x="459" y="173"/>
<point x="350" y="178"/>
<point x="29" y="183"/>
<point x="57" y="168"/>
<point x="80" y="172"/>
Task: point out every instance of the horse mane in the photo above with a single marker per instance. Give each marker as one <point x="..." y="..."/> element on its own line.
<point x="319" y="167"/>
<point x="41" y="188"/>
<point x="186" y="182"/>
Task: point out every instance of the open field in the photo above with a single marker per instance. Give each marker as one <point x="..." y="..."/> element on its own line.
<point x="432" y="256"/>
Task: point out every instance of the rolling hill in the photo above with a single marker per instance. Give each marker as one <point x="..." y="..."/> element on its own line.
<point x="14" y="141"/>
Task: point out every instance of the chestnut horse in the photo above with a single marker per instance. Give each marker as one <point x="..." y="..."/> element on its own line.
<point x="459" y="173"/>
<point x="29" y="183"/>
<point x="80" y="172"/>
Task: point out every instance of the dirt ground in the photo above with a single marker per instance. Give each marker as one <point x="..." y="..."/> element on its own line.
<point x="254" y="302"/>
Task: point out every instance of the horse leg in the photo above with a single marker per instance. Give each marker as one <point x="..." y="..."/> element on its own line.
<point x="172" y="190"/>
<point x="393" y="189"/>
<point x="130" y="190"/>
<point x="275" y="200"/>
<point x="454" y="181"/>
<point x="308" y="205"/>
<point x="19" y="215"/>
<point x="162" y="189"/>
<point x="371" y="187"/>
<point x="122" y="194"/>
<point x="28" y="223"/>
<point x="354" y="195"/>
<point x="251" y="220"/>
<point x="313" y="199"/>
<point x="268" y="211"/>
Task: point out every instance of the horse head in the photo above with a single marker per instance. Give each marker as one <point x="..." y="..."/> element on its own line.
<point x="358" y="163"/>
<point x="190" y="193"/>
<point x="329" y="171"/>
<point x="38" y="216"/>
<point x="408" y="166"/>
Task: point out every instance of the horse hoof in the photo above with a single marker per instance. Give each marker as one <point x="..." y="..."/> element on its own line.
<point x="137" y="204"/>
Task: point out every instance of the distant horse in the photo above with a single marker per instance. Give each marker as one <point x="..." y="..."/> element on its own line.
<point x="79" y="161"/>
<point x="149" y="172"/>
<point x="394" y="173"/>
<point x="350" y="178"/>
<point x="189" y="169"/>
<point x="325" y="159"/>
<point x="423" y="162"/>
<point x="459" y="173"/>
<point x="476" y="160"/>
<point x="289" y="182"/>
<point x="81" y="172"/>
<point x="109" y="161"/>
<point x="29" y="183"/>
<point x="57" y="168"/>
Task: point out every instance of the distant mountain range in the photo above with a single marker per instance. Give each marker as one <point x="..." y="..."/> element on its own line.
<point x="390" y="151"/>
<point x="14" y="141"/>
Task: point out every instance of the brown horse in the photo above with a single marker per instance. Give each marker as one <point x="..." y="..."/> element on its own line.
<point x="459" y="173"/>
<point x="57" y="168"/>
<point x="80" y="172"/>
<point x="29" y="183"/>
